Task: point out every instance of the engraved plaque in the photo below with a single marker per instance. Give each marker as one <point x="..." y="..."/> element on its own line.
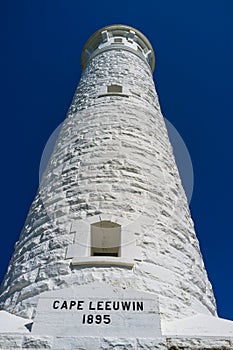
<point x="97" y="310"/>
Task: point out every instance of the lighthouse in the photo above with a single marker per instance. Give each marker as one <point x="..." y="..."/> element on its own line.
<point x="108" y="256"/>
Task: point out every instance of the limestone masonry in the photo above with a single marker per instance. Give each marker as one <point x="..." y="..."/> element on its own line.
<point x="108" y="257"/>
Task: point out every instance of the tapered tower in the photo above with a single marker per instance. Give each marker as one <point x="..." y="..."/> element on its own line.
<point x="109" y="246"/>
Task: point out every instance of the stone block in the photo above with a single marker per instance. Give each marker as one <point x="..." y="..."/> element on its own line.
<point x="204" y="343"/>
<point x="151" y="344"/>
<point x="76" y="343"/>
<point x="37" y="342"/>
<point x="10" y="341"/>
<point x="117" y="344"/>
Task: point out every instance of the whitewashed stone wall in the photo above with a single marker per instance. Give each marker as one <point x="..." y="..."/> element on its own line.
<point x="20" y="341"/>
<point x="113" y="160"/>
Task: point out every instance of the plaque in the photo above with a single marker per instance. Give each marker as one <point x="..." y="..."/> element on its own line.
<point x="97" y="310"/>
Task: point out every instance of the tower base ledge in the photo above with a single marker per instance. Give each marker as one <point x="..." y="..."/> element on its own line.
<point x="194" y="333"/>
<point x="198" y="325"/>
<point x="19" y="341"/>
<point x="12" y="323"/>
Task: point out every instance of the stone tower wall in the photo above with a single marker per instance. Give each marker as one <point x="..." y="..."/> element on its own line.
<point x="112" y="161"/>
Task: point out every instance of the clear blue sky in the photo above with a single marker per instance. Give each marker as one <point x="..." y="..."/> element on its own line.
<point x="41" y="47"/>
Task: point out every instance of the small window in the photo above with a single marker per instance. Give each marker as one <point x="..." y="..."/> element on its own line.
<point x="117" y="40"/>
<point x="114" y="88"/>
<point x="105" y="239"/>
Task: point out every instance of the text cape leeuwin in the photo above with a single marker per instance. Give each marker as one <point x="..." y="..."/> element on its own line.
<point x="105" y="305"/>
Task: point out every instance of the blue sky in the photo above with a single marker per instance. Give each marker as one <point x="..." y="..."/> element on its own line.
<point x="41" y="48"/>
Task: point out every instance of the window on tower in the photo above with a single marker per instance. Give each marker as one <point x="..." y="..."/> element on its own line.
<point x="105" y="239"/>
<point x="114" y="88"/>
<point x="117" y="40"/>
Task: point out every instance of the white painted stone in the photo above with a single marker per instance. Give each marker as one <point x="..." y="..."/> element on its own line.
<point x="37" y="342"/>
<point x="12" y="323"/>
<point x="199" y="325"/>
<point x="151" y="344"/>
<point x="119" y="343"/>
<point x="199" y="344"/>
<point x="75" y="343"/>
<point x="17" y="341"/>
<point x="11" y="341"/>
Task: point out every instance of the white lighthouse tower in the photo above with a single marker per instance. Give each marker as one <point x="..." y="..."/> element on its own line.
<point x="108" y="257"/>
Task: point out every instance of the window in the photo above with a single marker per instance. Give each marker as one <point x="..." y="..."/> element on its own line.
<point x="105" y="239"/>
<point x="117" y="40"/>
<point x="114" y="88"/>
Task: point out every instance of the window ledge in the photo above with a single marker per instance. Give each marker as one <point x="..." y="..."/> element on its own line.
<point x="113" y="94"/>
<point x="100" y="260"/>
